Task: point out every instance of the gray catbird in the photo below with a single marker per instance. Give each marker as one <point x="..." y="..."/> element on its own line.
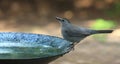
<point x="74" y="33"/>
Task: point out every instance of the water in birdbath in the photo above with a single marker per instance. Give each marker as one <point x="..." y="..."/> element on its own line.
<point x="30" y="46"/>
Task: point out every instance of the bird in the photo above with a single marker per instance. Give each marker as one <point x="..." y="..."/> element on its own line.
<point x="74" y="33"/>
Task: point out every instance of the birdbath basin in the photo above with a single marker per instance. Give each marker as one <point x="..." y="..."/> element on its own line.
<point x="23" y="48"/>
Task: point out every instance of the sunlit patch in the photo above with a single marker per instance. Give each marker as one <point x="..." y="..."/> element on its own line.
<point x="68" y="14"/>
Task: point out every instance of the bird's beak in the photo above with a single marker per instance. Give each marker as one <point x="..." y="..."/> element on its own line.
<point x="59" y="18"/>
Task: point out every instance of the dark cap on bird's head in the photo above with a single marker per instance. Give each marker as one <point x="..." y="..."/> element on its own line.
<point x="62" y="20"/>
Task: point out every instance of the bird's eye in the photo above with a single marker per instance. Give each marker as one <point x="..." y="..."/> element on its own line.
<point x="63" y="20"/>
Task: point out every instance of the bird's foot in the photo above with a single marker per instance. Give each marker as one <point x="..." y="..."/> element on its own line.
<point x="73" y="46"/>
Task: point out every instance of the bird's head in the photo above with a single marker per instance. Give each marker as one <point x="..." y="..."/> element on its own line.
<point x="63" y="21"/>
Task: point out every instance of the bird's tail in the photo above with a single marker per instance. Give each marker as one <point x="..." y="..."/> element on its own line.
<point x="103" y="31"/>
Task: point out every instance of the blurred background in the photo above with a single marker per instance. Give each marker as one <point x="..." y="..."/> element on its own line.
<point x="38" y="16"/>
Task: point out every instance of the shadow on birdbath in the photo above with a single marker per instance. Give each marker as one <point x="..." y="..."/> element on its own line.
<point x="23" y="48"/>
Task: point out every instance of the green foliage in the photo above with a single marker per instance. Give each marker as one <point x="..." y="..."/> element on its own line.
<point x="103" y="24"/>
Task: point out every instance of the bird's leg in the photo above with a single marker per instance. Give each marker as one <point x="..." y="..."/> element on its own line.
<point x="73" y="45"/>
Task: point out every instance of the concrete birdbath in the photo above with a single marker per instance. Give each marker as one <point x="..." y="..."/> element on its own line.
<point x="28" y="48"/>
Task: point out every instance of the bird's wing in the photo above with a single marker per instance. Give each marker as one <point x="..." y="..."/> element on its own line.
<point x="78" y="32"/>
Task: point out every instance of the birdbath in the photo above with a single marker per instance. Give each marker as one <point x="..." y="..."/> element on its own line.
<point x="28" y="48"/>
